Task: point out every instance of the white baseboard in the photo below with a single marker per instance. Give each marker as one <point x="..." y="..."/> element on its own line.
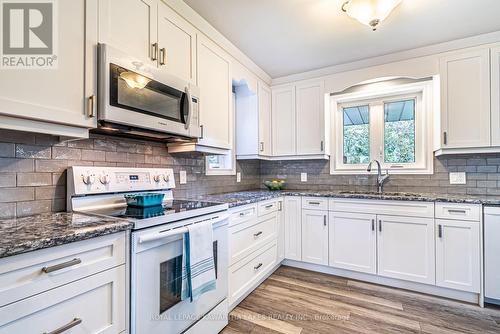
<point x="468" y="297"/>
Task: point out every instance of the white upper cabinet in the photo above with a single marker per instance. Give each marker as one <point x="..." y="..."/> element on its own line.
<point x="315" y="236"/>
<point x="214" y="81"/>
<point x="253" y="118"/>
<point x="465" y="99"/>
<point x="353" y="241"/>
<point x="130" y="26"/>
<point x="406" y="248"/>
<point x="265" y="147"/>
<point x="458" y="255"/>
<point x="311" y="126"/>
<point x="150" y="31"/>
<point x="284" y="121"/>
<point x="495" y="96"/>
<point x="299" y="122"/>
<point x="63" y="95"/>
<point x="176" y="44"/>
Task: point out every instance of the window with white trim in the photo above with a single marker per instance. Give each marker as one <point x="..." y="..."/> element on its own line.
<point x="221" y="164"/>
<point x="391" y="124"/>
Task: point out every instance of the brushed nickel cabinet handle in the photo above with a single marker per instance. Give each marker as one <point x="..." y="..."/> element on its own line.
<point x="373" y="224"/>
<point x="440" y="231"/>
<point x="280" y="206"/>
<point x="262" y="146"/>
<point x="202" y="132"/>
<point x="445" y="138"/>
<point x="314" y="203"/>
<point x="322" y="146"/>
<point x="257" y="267"/>
<point x="163" y="56"/>
<point x="62" y="329"/>
<point x="269" y="206"/>
<point x="256" y="235"/>
<point x="90" y="106"/>
<point x="380" y="225"/>
<point x="324" y="220"/>
<point x="154" y="51"/>
<point x="60" y="266"/>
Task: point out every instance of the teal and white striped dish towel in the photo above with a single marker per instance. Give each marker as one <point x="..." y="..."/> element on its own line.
<point x="198" y="266"/>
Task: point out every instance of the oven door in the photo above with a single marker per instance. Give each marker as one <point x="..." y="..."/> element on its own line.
<point x="156" y="305"/>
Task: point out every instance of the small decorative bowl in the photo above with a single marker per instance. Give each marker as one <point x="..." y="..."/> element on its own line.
<point x="275" y="185"/>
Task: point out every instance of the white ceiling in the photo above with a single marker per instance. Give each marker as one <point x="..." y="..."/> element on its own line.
<point x="291" y="36"/>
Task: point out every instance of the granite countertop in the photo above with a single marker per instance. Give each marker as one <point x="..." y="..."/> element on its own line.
<point x="235" y="199"/>
<point x="28" y="234"/>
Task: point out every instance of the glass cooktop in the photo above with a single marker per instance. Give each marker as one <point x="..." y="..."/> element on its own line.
<point x="168" y="208"/>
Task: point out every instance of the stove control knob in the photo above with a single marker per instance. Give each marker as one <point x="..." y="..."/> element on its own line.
<point x="157" y="178"/>
<point x="166" y="177"/>
<point x="105" y="179"/>
<point x="88" y="179"/>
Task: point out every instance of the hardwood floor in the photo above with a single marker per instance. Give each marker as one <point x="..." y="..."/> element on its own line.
<point x="294" y="301"/>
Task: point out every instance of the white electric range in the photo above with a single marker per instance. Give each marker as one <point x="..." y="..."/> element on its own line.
<point x="156" y="246"/>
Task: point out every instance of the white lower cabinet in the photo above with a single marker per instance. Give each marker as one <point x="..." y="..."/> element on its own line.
<point x="458" y="255"/>
<point x="293" y="228"/>
<point x="315" y="236"/>
<point x="244" y="275"/>
<point x="88" y="306"/>
<point x="256" y="240"/>
<point x="75" y="288"/>
<point x="406" y="248"/>
<point x="353" y="241"/>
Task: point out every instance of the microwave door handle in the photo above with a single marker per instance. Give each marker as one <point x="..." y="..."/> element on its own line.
<point x="190" y="108"/>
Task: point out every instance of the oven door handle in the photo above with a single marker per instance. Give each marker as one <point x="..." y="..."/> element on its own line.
<point x="176" y="231"/>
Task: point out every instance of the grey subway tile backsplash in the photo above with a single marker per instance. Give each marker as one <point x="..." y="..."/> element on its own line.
<point x="33" y="169"/>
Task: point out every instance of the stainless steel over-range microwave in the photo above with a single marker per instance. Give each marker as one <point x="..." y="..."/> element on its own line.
<point x="142" y="100"/>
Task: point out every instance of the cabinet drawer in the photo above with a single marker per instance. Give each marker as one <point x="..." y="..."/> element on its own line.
<point x="242" y="214"/>
<point x="314" y="203"/>
<point x="250" y="236"/>
<point x="458" y="211"/>
<point x="95" y="304"/>
<point x="243" y="275"/>
<point x="268" y="207"/>
<point x="28" y="274"/>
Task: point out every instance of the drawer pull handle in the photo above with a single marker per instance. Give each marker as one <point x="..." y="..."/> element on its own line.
<point x="256" y="235"/>
<point x="243" y="214"/>
<point x="154" y="51"/>
<point x="314" y="203"/>
<point x="457" y="211"/>
<point x="60" y="266"/>
<point x="257" y="267"/>
<point x="71" y="324"/>
<point x="269" y="206"/>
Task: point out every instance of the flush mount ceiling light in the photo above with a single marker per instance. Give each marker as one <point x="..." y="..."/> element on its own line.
<point x="370" y="12"/>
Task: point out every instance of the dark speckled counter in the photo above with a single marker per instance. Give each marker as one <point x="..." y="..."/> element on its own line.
<point x="28" y="234"/>
<point x="248" y="197"/>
